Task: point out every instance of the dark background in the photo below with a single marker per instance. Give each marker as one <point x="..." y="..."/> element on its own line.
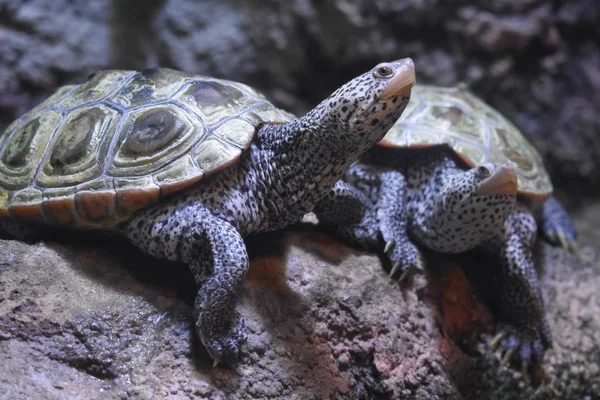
<point x="537" y="61"/>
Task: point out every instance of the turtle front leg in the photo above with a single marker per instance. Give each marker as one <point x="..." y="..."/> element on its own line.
<point x="217" y="257"/>
<point x="526" y="335"/>
<point x="557" y="225"/>
<point x="351" y="214"/>
<point x="392" y="214"/>
<point x="365" y="222"/>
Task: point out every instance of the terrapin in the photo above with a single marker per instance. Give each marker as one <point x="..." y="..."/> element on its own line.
<point x="452" y="175"/>
<point x="186" y="166"/>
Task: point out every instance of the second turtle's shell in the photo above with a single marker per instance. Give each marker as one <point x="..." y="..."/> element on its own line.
<point x="475" y="131"/>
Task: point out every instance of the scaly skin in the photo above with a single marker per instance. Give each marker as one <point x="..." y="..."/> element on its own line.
<point x="285" y="172"/>
<point x="428" y="196"/>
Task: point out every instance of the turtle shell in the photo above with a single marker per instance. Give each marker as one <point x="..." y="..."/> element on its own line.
<point x="475" y="131"/>
<point x="93" y="154"/>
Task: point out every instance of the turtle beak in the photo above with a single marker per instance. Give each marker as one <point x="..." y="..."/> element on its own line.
<point x="402" y="81"/>
<point x="502" y="181"/>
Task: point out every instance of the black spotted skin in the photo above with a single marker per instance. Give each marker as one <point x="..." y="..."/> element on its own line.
<point x="427" y="196"/>
<point x="287" y="169"/>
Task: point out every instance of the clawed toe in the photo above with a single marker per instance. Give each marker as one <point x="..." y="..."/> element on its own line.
<point x="222" y="346"/>
<point x="389" y="246"/>
<point x="405" y="258"/>
<point x="559" y="237"/>
<point x="522" y="351"/>
<point x="408" y="270"/>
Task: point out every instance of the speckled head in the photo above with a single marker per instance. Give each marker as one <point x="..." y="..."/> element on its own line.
<point x="370" y="104"/>
<point x="474" y="204"/>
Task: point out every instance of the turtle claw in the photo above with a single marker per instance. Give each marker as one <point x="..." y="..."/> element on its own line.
<point x="508" y="356"/>
<point x="562" y="239"/>
<point x="407" y="274"/>
<point x="411" y="270"/>
<point x="558" y="237"/>
<point x="216" y="362"/>
<point x="523" y="350"/>
<point x="395" y="268"/>
<point x="496" y="340"/>
<point x="389" y="246"/>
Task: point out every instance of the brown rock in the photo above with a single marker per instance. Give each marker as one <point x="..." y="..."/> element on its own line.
<point x="324" y="322"/>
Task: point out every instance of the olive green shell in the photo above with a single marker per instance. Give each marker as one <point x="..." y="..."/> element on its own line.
<point x="93" y="154"/>
<point x="475" y="131"/>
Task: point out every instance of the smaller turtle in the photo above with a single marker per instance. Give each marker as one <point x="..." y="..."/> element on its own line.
<point x="453" y="175"/>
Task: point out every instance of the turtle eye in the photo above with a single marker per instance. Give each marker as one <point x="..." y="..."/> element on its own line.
<point x="383" y="71"/>
<point x="484" y="170"/>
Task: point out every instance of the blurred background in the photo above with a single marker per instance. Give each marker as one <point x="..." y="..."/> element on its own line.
<point x="537" y="61"/>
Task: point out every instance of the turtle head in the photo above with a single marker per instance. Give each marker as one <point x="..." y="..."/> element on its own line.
<point x="475" y="203"/>
<point x="367" y="106"/>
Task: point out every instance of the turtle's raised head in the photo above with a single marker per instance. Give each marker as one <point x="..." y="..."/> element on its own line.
<point x="372" y="102"/>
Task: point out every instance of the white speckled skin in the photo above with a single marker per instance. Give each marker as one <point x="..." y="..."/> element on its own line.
<point x="427" y="196"/>
<point x="285" y="172"/>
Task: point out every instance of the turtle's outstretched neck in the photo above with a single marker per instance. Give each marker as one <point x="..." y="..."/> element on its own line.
<point x="299" y="164"/>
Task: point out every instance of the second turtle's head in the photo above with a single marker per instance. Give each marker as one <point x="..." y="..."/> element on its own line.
<point x="475" y="203"/>
<point x="367" y="106"/>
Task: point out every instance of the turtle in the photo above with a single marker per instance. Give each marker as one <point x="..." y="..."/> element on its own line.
<point x="186" y="166"/>
<point x="453" y="175"/>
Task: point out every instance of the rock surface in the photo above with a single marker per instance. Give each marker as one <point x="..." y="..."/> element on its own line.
<point x="535" y="60"/>
<point x="325" y="322"/>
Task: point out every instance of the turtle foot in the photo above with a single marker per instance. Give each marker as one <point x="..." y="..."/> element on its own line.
<point x="406" y="259"/>
<point x="557" y="226"/>
<point x="224" y="346"/>
<point x="522" y="349"/>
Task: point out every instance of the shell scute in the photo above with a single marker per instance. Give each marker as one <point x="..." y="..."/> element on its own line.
<point x="149" y="87"/>
<point x="134" y="194"/>
<point x="60" y="211"/>
<point x="98" y="86"/>
<point x="214" y="101"/>
<point x="24" y="147"/>
<point x="178" y="175"/>
<point x="25" y="205"/>
<point x="95" y="208"/>
<point x="153" y="137"/>
<point x="214" y="155"/>
<point x="77" y="151"/>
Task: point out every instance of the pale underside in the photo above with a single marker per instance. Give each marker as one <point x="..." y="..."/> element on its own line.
<point x="474" y="130"/>
<point x="93" y="154"/>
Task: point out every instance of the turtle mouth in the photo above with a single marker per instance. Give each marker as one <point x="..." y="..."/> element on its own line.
<point x="502" y="181"/>
<point x="402" y="82"/>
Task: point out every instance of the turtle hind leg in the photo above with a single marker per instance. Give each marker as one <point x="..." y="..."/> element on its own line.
<point x="557" y="226"/>
<point x="14" y="230"/>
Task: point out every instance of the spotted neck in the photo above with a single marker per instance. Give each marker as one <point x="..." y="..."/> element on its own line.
<point x="299" y="162"/>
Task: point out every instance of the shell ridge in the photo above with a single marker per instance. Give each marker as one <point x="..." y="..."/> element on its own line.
<point x="113" y="145"/>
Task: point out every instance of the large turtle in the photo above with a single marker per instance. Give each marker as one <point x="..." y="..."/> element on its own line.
<point x="452" y="175"/>
<point x="186" y="166"/>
